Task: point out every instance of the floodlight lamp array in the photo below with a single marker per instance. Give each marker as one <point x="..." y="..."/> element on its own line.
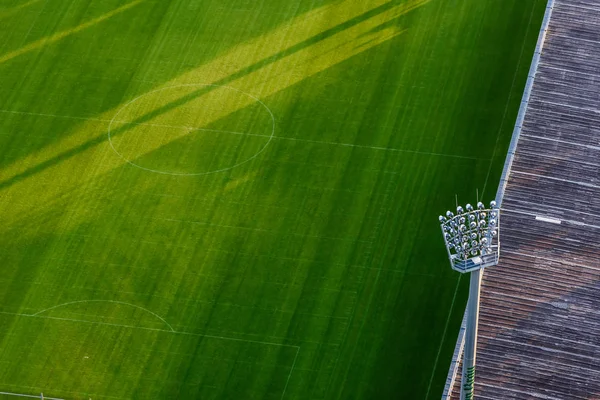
<point x="471" y="236"/>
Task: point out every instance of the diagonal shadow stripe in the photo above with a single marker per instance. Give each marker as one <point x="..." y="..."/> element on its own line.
<point x="207" y="89"/>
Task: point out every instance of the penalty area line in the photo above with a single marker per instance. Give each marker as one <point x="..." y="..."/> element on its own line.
<point x="149" y="329"/>
<point x="40" y="396"/>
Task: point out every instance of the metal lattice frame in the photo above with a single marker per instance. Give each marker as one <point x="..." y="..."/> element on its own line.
<point x="472" y="236"/>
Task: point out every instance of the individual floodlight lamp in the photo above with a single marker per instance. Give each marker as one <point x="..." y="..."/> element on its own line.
<point x="472" y="238"/>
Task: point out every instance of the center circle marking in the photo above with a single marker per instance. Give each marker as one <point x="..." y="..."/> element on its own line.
<point x="115" y="147"/>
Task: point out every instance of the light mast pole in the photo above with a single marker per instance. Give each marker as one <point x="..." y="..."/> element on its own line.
<point x="472" y="241"/>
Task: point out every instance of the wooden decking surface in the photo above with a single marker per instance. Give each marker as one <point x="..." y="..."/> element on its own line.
<point x="539" y="333"/>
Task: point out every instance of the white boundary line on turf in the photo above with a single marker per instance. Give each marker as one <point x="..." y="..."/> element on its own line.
<point x="352" y="145"/>
<point x="451" y="379"/>
<point x="148" y="329"/>
<point x="37" y="315"/>
<point x="196" y="85"/>
<point x="105" y="301"/>
<point x="41" y="396"/>
<point x="196" y="301"/>
<point x="67" y="391"/>
<point x="378" y="148"/>
<point x="460" y="339"/>
<point x="290" y="374"/>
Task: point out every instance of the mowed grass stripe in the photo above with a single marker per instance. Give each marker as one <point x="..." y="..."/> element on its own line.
<point x="313" y="245"/>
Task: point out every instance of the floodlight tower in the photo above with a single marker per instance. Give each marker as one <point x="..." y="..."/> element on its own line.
<point x="473" y="243"/>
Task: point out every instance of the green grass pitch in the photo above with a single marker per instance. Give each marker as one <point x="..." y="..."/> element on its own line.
<point x="235" y="199"/>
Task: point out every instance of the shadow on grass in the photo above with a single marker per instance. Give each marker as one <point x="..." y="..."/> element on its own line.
<point x="88" y="67"/>
<point x="199" y="92"/>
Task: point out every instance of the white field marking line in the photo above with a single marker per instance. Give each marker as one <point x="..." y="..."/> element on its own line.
<point x="53" y="115"/>
<point x="168" y="353"/>
<point x="31" y="396"/>
<point x="190" y="86"/>
<point x="65" y="391"/>
<point x="124" y="122"/>
<point x="490" y="166"/>
<point x="512" y="86"/>
<point x="147" y="329"/>
<point x="105" y="301"/>
<point x="232" y="332"/>
<point x="190" y="299"/>
<point x="289" y="295"/>
<point x="290" y="374"/>
<point x="78" y="314"/>
<point x="330" y="166"/>
<point x="380" y="148"/>
<point x="205" y="359"/>
<point x="585" y="184"/>
<point x="437" y="357"/>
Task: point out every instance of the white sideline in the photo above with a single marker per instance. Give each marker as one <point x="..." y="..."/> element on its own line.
<point x="458" y="350"/>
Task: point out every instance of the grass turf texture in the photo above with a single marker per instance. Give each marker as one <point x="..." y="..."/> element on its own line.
<point x="286" y="244"/>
